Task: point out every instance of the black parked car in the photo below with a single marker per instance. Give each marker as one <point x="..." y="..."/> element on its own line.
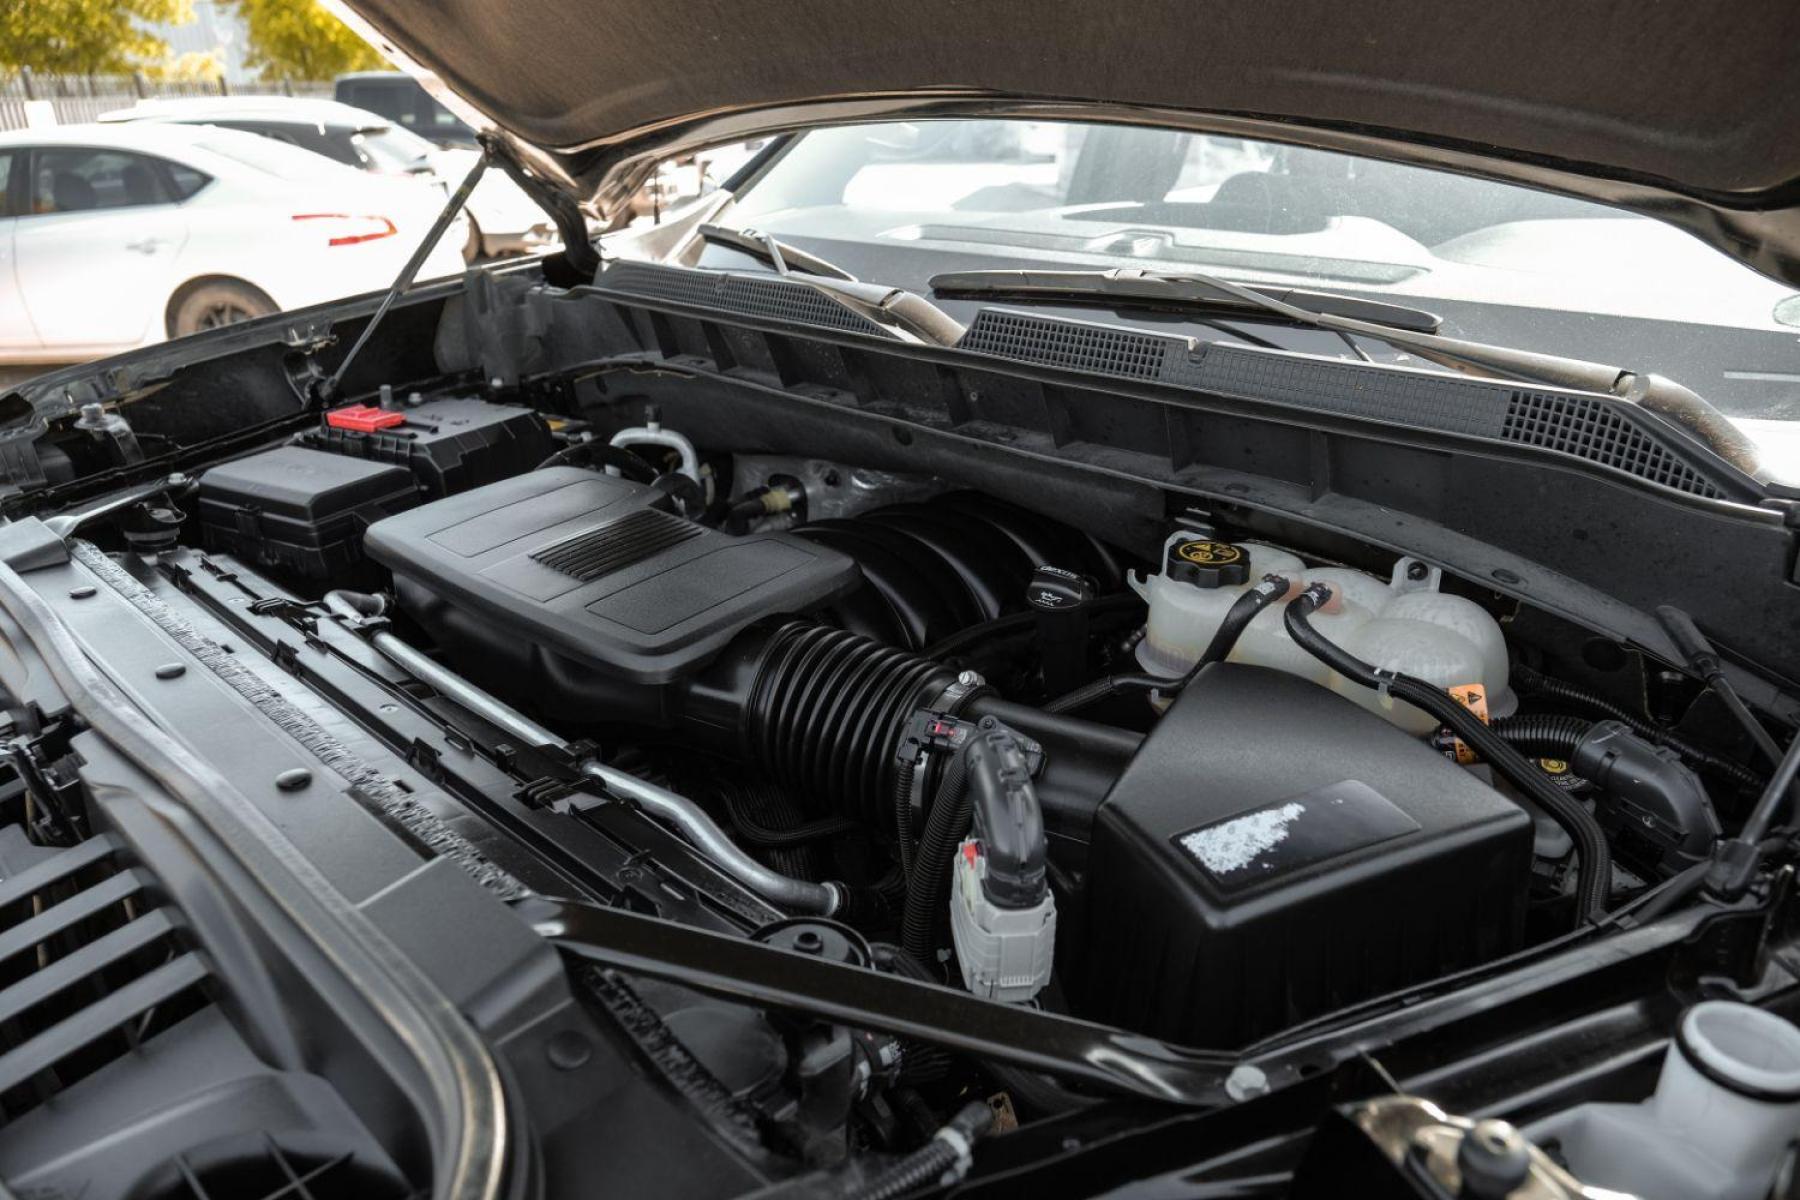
<point x="1148" y="600"/>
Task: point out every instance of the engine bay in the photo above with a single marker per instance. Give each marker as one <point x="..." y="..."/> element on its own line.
<point x="1205" y="778"/>
<point x="965" y="736"/>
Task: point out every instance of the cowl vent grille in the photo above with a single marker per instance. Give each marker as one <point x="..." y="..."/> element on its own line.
<point x="89" y="970"/>
<point x="744" y="295"/>
<point x="1597" y="431"/>
<point x="1066" y="344"/>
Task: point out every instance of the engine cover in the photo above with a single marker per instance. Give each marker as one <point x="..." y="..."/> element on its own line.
<point x="1274" y="852"/>
<point x="582" y="565"/>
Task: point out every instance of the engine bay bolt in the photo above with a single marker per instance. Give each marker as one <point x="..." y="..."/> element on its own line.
<point x="294" y="779"/>
<point x="1493" y="1161"/>
<point x="970" y="679"/>
<point x="809" y="942"/>
<point x="1246" y="1082"/>
<point x="171" y="671"/>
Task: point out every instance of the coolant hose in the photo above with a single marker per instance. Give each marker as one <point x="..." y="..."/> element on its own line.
<point x="1237" y="618"/>
<point x="1542" y="735"/>
<point x="1560" y="691"/>
<point x="796" y="895"/>
<point x="1593" y="886"/>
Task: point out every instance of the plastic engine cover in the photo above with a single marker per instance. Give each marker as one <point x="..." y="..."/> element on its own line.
<point x="1274" y="852"/>
<point x="580" y="563"/>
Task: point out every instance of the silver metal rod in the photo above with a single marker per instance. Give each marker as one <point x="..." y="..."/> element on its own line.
<point x="795" y="895"/>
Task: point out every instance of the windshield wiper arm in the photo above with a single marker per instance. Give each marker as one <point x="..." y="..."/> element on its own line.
<point x="1398" y="327"/>
<point x="1185" y="290"/>
<point x="780" y="255"/>
<point x="885" y="305"/>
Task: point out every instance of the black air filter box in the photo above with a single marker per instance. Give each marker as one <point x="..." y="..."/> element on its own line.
<point x="1273" y="853"/>
<point x="579" y="564"/>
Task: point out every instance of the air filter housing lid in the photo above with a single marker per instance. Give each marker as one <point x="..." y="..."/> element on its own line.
<point x="583" y="563"/>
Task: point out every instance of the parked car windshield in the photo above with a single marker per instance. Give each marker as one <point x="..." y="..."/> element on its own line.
<point x="899" y="202"/>
<point x="394" y="150"/>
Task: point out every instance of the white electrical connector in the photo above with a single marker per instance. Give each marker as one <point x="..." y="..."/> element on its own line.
<point x="1005" y="953"/>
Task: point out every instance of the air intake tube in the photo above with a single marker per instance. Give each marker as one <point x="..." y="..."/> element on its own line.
<point x="822" y="711"/>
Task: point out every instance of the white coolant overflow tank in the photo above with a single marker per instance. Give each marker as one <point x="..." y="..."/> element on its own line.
<point x="1404" y="623"/>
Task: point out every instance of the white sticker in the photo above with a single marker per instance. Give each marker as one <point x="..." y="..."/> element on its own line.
<point x="1235" y="844"/>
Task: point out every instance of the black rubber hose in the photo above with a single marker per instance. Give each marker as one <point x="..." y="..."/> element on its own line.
<point x="1560" y="691"/>
<point x="1237" y="618"/>
<point x="1543" y="735"/>
<point x="750" y="814"/>
<point x="928" y="887"/>
<point x="1593" y="887"/>
<point x="944" y="1155"/>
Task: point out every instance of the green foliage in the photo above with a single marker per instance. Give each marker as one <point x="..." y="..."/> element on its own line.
<point x="85" y="37"/>
<point x="299" y="40"/>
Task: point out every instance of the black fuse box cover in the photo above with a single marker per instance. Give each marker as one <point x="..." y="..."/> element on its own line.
<point x="298" y="509"/>
<point x="580" y="562"/>
<point x="450" y="444"/>
<point x="1274" y="852"/>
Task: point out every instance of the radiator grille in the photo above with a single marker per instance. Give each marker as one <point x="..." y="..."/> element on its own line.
<point x="90" y="969"/>
<point x="1601" y="433"/>
<point x="1066" y="344"/>
<point x="617" y="544"/>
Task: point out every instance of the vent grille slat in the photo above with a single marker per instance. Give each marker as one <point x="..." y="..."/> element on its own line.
<point x="91" y="967"/>
<point x="39" y="876"/>
<point x="617" y="544"/>
<point x="1066" y="344"/>
<point x="60" y="918"/>
<point x="91" y="959"/>
<point x="97" y="1020"/>
<point x="1595" y="430"/>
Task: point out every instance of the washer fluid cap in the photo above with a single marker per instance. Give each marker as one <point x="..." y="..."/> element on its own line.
<point x="1206" y="563"/>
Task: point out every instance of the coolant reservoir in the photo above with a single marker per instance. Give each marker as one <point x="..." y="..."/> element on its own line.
<point x="1201" y="579"/>
<point x="1402" y="624"/>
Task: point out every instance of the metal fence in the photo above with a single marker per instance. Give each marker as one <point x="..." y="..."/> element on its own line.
<point x="28" y="100"/>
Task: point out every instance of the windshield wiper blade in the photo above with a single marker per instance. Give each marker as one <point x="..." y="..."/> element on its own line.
<point x="1665" y="397"/>
<point x="887" y="306"/>
<point x="1186" y="290"/>
<point x="780" y="255"/>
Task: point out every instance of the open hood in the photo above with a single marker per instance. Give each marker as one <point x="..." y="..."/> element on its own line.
<point x="1685" y="112"/>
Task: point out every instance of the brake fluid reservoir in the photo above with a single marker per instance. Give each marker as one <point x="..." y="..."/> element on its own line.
<point x="1201" y="579"/>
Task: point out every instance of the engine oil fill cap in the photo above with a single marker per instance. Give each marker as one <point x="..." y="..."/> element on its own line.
<point x="1206" y="563"/>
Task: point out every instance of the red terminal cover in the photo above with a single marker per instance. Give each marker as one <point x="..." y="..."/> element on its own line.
<point x="363" y="418"/>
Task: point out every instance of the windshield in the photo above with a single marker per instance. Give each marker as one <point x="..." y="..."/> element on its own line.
<point x="393" y="150"/>
<point x="1500" y="263"/>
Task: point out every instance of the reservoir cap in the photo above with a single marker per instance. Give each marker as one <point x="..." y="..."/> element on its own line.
<point x="1207" y="563"/>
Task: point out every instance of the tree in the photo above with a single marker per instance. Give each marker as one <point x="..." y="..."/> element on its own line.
<point x="299" y="40"/>
<point x="85" y="37"/>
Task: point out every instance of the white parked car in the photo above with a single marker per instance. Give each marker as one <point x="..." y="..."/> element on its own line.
<point x="502" y="218"/>
<point x="115" y="236"/>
